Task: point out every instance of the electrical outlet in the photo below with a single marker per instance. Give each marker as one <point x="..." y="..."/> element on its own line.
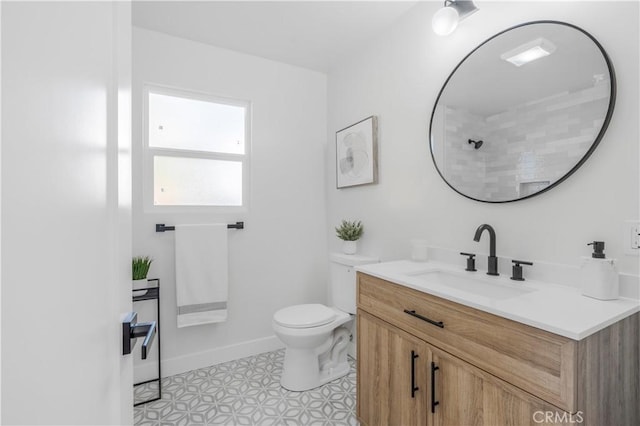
<point x="635" y="237"/>
<point x="631" y="237"/>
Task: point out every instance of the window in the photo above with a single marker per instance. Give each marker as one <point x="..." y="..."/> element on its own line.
<point x="197" y="149"/>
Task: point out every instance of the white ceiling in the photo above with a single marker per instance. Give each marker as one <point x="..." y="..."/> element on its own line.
<point x="310" y="34"/>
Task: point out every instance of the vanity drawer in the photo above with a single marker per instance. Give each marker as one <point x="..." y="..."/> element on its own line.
<point x="536" y="361"/>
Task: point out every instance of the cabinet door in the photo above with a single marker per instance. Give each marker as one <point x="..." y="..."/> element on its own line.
<point x="392" y="381"/>
<point x="466" y="395"/>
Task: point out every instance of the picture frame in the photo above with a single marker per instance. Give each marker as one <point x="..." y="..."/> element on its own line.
<point x="357" y="154"/>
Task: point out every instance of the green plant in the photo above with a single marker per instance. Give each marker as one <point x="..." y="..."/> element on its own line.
<point x="349" y="230"/>
<point x="140" y="266"/>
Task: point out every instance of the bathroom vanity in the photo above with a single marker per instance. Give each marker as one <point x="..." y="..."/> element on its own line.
<point x="430" y="352"/>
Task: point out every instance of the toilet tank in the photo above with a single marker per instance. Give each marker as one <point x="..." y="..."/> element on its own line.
<point x="342" y="279"/>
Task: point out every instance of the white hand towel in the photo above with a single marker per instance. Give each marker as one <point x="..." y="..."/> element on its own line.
<point x="201" y="274"/>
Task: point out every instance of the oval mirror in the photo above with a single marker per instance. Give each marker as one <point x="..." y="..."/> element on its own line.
<point x="522" y="112"/>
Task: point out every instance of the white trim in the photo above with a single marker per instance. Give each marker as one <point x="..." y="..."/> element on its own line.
<point x="182" y="364"/>
<point x="162" y="89"/>
<point x="149" y="152"/>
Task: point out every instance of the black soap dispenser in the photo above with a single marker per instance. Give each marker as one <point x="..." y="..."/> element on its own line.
<point x="598" y="249"/>
<point x="599" y="275"/>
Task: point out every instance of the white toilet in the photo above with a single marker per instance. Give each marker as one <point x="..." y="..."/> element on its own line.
<point x="316" y="336"/>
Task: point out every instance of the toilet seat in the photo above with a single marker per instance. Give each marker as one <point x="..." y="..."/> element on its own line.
<point x="304" y="316"/>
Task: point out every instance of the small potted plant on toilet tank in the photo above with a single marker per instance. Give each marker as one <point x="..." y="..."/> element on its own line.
<point x="349" y="232"/>
<point x="140" y="268"/>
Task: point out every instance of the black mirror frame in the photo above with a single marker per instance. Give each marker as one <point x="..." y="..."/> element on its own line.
<point x="605" y="124"/>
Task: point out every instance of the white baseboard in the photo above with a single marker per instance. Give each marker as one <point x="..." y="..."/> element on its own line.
<point x="182" y="364"/>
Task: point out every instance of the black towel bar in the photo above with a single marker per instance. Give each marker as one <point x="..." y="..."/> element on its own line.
<point x="160" y="227"/>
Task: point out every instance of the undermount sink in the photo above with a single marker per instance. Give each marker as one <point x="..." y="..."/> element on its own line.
<point x="480" y="286"/>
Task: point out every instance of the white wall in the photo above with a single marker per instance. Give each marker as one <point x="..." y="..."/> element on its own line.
<point x="280" y="258"/>
<point x="398" y="76"/>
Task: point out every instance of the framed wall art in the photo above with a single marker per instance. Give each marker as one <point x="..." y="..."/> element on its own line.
<point x="357" y="154"/>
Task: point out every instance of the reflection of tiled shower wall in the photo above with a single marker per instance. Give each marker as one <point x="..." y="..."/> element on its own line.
<point x="519" y="152"/>
<point x="465" y="166"/>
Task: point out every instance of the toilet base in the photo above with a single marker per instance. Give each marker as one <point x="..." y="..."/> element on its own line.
<point x="335" y="372"/>
<point x="302" y="382"/>
<point x="304" y="369"/>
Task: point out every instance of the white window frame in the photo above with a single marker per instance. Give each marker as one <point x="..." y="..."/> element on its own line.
<point x="150" y="152"/>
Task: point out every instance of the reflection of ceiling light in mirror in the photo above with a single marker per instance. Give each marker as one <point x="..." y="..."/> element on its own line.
<point x="528" y="52"/>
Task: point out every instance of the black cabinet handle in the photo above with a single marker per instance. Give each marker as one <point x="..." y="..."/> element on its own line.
<point x="434" y="368"/>
<point x="414" y="388"/>
<point x="430" y="321"/>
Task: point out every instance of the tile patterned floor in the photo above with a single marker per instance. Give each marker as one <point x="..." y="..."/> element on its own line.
<point x="246" y="392"/>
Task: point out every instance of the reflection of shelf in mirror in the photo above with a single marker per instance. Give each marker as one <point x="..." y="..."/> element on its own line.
<point x="529" y="188"/>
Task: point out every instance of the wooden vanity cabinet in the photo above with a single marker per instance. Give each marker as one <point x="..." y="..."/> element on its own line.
<point x="386" y="391"/>
<point x="498" y="372"/>
<point x="459" y="395"/>
<point x="467" y="395"/>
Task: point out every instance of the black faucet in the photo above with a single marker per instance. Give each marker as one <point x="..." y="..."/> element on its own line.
<point x="493" y="260"/>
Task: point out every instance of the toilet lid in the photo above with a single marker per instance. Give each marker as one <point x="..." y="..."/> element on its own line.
<point x="304" y="316"/>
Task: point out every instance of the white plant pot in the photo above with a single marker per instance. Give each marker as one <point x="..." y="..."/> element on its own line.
<point x="138" y="284"/>
<point x="349" y="247"/>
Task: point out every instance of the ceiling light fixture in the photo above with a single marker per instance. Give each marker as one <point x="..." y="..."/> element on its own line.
<point x="535" y="49"/>
<point x="446" y="19"/>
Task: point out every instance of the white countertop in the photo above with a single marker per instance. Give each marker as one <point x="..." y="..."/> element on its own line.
<point x="555" y="308"/>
